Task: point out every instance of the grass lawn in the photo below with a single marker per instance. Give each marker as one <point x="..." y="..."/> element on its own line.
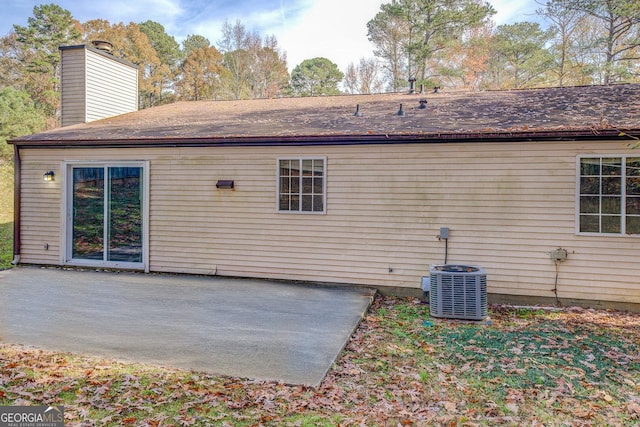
<point x="530" y="367"/>
<point x="6" y="214"/>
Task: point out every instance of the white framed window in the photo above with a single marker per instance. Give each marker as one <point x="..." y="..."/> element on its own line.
<point x="608" y="199"/>
<point x="302" y="185"/>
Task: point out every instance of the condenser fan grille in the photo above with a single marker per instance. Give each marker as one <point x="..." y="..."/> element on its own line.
<point x="458" y="292"/>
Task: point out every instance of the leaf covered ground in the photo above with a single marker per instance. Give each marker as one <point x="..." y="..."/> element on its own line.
<point x="533" y="367"/>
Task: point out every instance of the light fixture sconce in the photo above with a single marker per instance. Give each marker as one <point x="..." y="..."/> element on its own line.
<point x="48" y="176"/>
<point x="225" y="184"/>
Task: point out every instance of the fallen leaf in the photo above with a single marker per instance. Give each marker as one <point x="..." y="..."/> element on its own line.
<point x="449" y="406"/>
<point x="633" y="408"/>
<point x="512" y="407"/>
<point x="582" y="413"/>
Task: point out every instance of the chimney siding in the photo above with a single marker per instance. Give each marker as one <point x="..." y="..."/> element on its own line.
<point x="95" y="85"/>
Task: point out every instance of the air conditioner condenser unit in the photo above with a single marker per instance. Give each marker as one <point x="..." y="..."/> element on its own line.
<point x="458" y="291"/>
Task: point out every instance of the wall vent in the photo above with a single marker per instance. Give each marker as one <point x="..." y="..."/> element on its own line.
<point x="458" y="291"/>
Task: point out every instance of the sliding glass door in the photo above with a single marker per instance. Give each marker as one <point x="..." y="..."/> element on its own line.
<point x="106" y="215"/>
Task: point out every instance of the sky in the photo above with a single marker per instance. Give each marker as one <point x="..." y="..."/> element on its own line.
<point x="334" y="29"/>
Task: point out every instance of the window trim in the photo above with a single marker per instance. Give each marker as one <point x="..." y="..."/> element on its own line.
<point x="623" y="214"/>
<point x="324" y="185"/>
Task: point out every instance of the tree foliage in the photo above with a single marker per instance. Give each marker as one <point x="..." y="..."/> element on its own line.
<point x="166" y="46"/>
<point x="317" y="76"/>
<point x="363" y="78"/>
<point x="387" y="32"/>
<point x="169" y="54"/>
<point x="50" y="27"/>
<point x="476" y="50"/>
<point x="578" y="42"/>
<point x="257" y="68"/>
<point x="520" y="59"/>
<point x="194" y="41"/>
<point x="202" y="73"/>
<point x="619" y="41"/>
<point x="565" y="26"/>
<point x="270" y="76"/>
<point x="18" y="116"/>
<point x="411" y="32"/>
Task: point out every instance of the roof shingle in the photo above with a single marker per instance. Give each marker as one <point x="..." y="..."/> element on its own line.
<point x="448" y="112"/>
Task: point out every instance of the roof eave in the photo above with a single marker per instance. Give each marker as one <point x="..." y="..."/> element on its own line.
<point x="346" y="139"/>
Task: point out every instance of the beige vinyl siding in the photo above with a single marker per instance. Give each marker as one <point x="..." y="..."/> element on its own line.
<point x="73" y="83"/>
<point x="40" y="221"/>
<point x="112" y="87"/>
<point x="507" y="205"/>
<point x="95" y="86"/>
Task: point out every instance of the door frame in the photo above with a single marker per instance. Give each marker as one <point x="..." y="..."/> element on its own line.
<point x="67" y="215"/>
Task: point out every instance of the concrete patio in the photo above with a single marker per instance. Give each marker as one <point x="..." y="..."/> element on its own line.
<point x="238" y="327"/>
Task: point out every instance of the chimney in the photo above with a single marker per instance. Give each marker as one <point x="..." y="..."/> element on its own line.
<point x="95" y="84"/>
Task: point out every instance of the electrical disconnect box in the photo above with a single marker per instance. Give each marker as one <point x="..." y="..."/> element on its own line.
<point x="444" y="233"/>
<point x="559" y="254"/>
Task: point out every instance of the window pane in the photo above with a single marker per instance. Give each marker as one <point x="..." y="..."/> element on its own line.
<point x="611" y="205"/>
<point x="125" y="215"/>
<point x="317" y="185"/>
<point x="589" y="224"/>
<point x="633" y="225"/>
<point x="633" y="166"/>
<point x="295" y="202"/>
<point x="633" y="205"/>
<point x="307" y="167"/>
<point x="589" y="185"/>
<point x="294" y="170"/>
<point x="307" y="203"/>
<point x="88" y="213"/>
<point x="285" y="167"/>
<point x="589" y="204"/>
<point x="284" y="202"/>
<point x="318" y="204"/>
<point x="590" y="167"/>
<point x="318" y="167"/>
<point x="633" y="186"/>
<point x="307" y="185"/>
<point x="612" y="166"/>
<point x="611" y="185"/>
<point x="295" y="185"/>
<point x="611" y="224"/>
<point x="284" y="185"/>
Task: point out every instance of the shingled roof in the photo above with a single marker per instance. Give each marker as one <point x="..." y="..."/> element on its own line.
<point x="550" y="112"/>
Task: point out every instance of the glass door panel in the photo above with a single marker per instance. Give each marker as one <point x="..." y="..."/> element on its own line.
<point x="88" y="213"/>
<point x="125" y="215"/>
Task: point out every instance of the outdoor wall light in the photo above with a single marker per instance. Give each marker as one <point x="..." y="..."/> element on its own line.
<point x="225" y="184"/>
<point x="48" y="176"/>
